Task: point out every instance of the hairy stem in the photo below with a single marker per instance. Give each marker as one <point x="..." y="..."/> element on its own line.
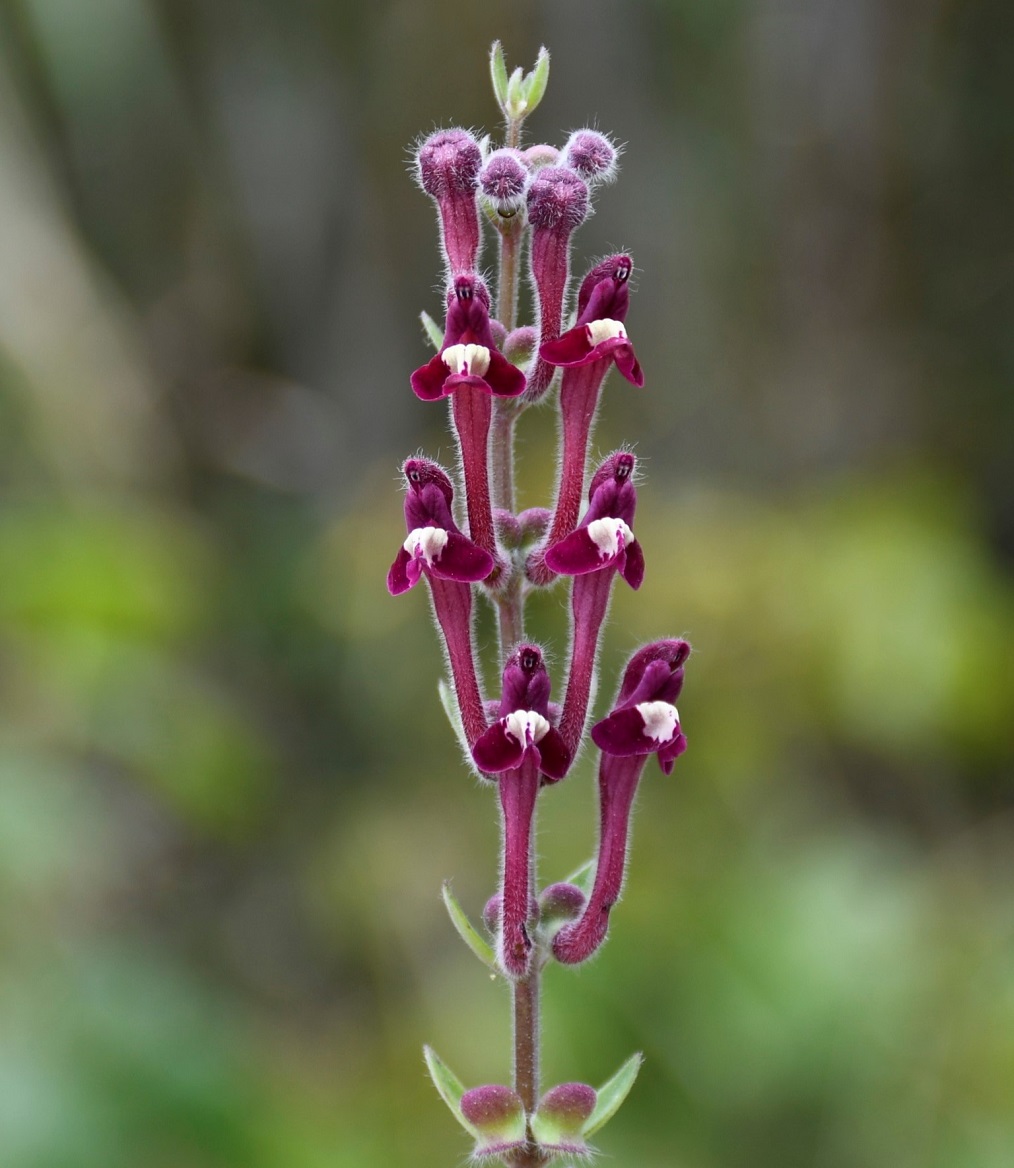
<point x="511" y="615"/>
<point x="511" y="233"/>
<point x="505" y="414"/>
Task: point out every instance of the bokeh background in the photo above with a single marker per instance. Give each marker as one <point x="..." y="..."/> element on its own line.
<point x="227" y="793"/>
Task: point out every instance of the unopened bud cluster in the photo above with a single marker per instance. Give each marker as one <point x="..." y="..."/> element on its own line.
<point x="466" y="540"/>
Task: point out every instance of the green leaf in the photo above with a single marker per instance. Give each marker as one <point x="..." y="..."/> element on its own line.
<point x="612" y="1094"/>
<point x="448" y="1085"/>
<point x="583" y="877"/>
<point x="449" y="700"/>
<point x="515" y="98"/>
<point x="537" y="80"/>
<point x="498" y="73"/>
<point x="434" y="333"/>
<point x="466" y="930"/>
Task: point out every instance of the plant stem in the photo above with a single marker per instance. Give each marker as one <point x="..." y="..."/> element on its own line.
<point x="525" y="1002"/>
<point x="526" y="1056"/>
<point x="511" y="233"/>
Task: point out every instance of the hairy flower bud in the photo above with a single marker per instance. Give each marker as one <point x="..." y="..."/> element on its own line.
<point x="447" y="166"/>
<point x="503" y="180"/>
<point x="557" y="200"/>
<point x="536" y="157"/>
<point x="497" y="1116"/>
<point x="561" y="1116"/>
<point x="592" y="155"/>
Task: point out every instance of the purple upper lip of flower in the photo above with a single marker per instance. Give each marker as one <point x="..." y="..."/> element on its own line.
<point x="604" y="537"/>
<point x="468" y="355"/>
<point x="523" y="725"/>
<point x="435" y="543"/>
<point x="645" y="719"/>
<point x="599" y="332"/>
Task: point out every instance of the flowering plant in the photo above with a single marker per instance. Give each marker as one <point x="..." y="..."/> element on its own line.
<point x="491" y="369"/>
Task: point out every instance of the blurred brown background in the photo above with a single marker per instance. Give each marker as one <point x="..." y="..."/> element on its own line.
<point x="227" y="793"/>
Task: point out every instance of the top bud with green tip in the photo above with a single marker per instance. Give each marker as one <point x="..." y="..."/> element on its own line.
<point x="520" y="93"/>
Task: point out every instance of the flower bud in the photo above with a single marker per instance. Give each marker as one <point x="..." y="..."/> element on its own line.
<point x="561" y="901"/>
<point x="502" y="182"/>
<point x="560" y="1118"/>
<point x="497" y="1115"/>
<point x="536" y="157"/>
<point x="557" y="204"/>
<point x="519" y="345"/>
<point x="448" y="165"/>
<point x="592" y="155"/>
<point x="557" y="200"/>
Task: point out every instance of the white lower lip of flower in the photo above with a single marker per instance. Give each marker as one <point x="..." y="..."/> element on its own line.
<point x="609" y="536"/>
<point x="660" y="720"/>
<point x="426" y="541"/>
<point x="526" y="726"/>
<point x="471" y="360"/>
<point x="604" y="330"/>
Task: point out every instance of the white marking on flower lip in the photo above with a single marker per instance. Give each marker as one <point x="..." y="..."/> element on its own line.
<point x="427" y="542"/>
<point x="526" y="726"/>
<point x="604" y="330"/>
<point x="660" y="720"/>
<point x="468" y="360"/>
<point x="610" y="536"/>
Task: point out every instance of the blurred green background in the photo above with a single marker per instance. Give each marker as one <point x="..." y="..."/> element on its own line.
<point x="227" y="793"/>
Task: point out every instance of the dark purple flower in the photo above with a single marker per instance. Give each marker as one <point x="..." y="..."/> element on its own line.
<point x="645" y="721"/>
<point x="521" y="747"/>
<point x="436" y="549"/>
<point x="599" y="332"/>
<point x="448" y="165"/>
<point x="468" y="356"/>
<point x="604" y="537"/>
<point x="434" y="544"/>
<point x="523" y="730"/>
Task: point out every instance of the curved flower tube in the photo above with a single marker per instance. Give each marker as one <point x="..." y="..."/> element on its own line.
<point x="644" y="721"/>
<point x="436" y="549"/>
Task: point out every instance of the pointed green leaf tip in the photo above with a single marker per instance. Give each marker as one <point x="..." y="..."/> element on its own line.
<point x="583" y="877"/>
<point x="498" y="74"/>
<point x="448" y="1086"/>
<point x="466" y="930"/>
<point x="434" y="333"/>
<point x="611" y="1095"/>
<point x="449" y="700"/>
<point x="537" y="80"/>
